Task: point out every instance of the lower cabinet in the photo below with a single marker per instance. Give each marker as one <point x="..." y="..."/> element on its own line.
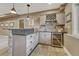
<point x="31" y="42"/>
<point x="20" y="45"/>
<point x="45" y="38"/>
<point x="57" y="40"/>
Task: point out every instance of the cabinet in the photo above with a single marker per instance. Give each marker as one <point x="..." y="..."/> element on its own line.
<point x="31" y="42"/>
<point x="60" y="18"/>
<point x="42" y="19"/>
<point x="45" y="37"/>
<point x="21" y="45"/>
<point x="18" y="46"/>
<point x="57" y="39"/>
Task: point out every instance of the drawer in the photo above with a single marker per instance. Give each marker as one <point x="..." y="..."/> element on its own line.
<point x="29" y="50"/>
<point x="30" y="36"/>
<point x="29" y="42"/>
<point x="34" y="43"/>
<point x="29" y="45"/>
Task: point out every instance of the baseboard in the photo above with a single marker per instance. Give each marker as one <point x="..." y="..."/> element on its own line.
<point x="45" y="44"/>
<point x="33" y="50"/>
<point x="68" y="53"/>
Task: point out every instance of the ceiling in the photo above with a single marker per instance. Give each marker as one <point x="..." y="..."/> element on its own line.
<point x="21" y="8"/>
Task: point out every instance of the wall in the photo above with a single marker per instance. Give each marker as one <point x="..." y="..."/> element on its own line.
<point x="6" y="31"/>
<point x="68" y="25"/>
<point x="68" y="9"/>
<point x="71" y="45"/>
<point x="71" y="41"/>
<point x="78" y="18"/>
<point x="35" y="17"/>
<point x="75" y="18"/>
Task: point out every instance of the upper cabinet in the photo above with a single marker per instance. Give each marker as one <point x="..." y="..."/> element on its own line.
<point x="51" y="17"/>
<point x="42" y="19"/>
<point x="60" y="17"/>
<point x="48" y="22"/>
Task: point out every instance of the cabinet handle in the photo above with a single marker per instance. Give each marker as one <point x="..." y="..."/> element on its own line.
<point x="30" y="36"/>
<point x="30" y="41"/>
<point x="31" y="49"/>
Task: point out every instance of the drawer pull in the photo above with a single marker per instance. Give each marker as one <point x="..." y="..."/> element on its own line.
<point x="30" y="41"/>
<point x="31" y="49"/>
<point x="30" y="36"/>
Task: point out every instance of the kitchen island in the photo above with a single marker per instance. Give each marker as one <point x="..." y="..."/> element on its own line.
<point x="22" y="41"/>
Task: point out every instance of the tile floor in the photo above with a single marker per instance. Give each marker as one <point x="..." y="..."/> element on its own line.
<point x="4" y="52"/>
<point x="43" y="50"/>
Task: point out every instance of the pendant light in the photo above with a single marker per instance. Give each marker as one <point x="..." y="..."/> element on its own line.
<point x="28" y="5"/>
<point x="13" y="11"/>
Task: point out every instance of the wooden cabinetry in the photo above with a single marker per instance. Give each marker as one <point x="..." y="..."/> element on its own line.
<point x="60" y="28"/>
<point x="57" y="39"/>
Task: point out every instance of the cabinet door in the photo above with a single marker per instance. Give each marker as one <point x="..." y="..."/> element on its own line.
<point x="35" y="41"/>
<point x="29" y="39"/>
<point x="42" y="19"/>
<point x="48" y="38"/>
<point x="41" y="37"/>
<point x="30" y="43"/>
<point x="57" y="39"/>
<point x="18" y="48"/>
<point x="45" y="37"/>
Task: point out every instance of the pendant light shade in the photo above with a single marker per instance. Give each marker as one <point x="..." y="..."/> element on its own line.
<point x="28" y="5"/>
<point x="13" y="10"/>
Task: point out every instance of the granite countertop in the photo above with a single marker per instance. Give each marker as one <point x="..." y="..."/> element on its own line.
<point x="45" y="31"/>
<point x="29" y="31"/>
<point x="23" y="32"/>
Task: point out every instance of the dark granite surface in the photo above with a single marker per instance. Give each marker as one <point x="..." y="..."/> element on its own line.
<point x="25" y="32"/>
<point x="22" y="31"/>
